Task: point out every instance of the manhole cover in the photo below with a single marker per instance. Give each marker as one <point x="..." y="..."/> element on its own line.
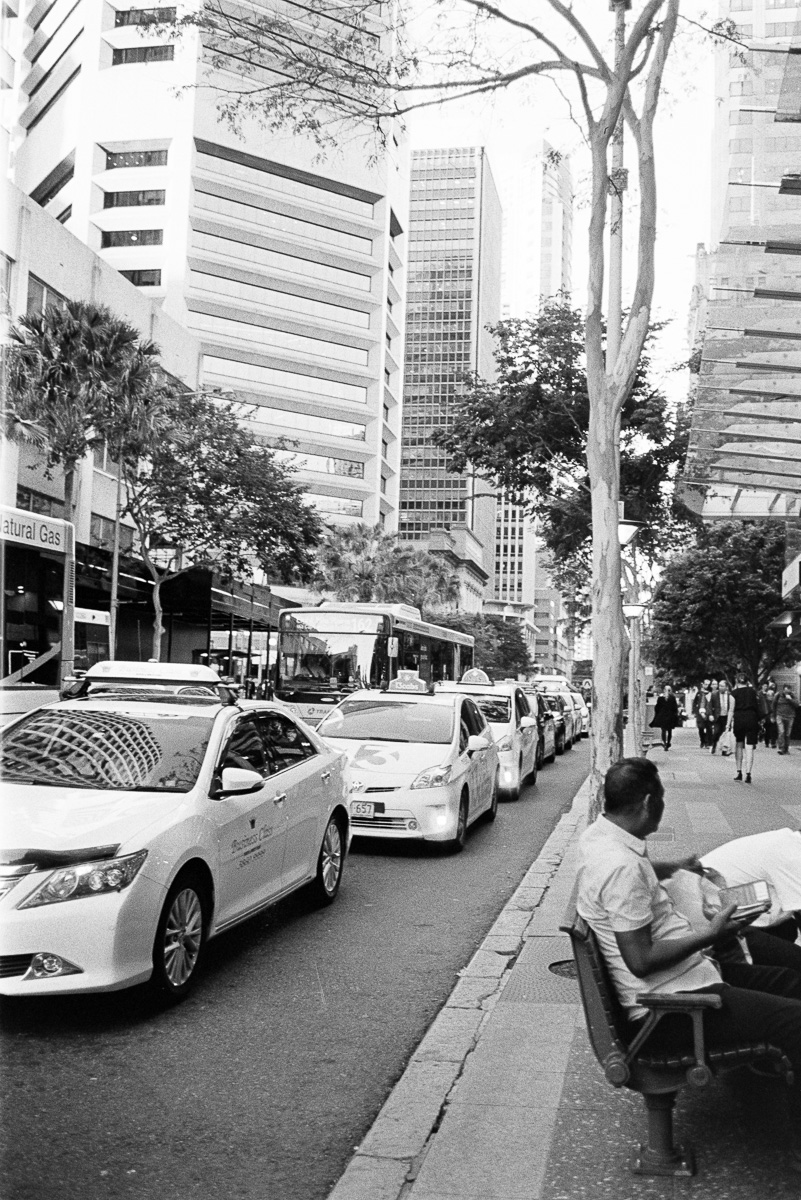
<point x="565" y="967"/>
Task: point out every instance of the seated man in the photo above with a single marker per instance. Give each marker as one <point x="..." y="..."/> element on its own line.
<point x="649" y="946"/>
<point x="774" y="856"/>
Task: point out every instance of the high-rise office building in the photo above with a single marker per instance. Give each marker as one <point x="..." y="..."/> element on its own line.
<point x="744" y="323"/>
<point x="290" y="272"/>
<point x="453" y="294"/>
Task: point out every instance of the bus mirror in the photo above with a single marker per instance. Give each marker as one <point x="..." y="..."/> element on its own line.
<point x="392" y="647"/>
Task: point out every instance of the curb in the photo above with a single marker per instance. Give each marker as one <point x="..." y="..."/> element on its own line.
<point x="388" y="1160"/>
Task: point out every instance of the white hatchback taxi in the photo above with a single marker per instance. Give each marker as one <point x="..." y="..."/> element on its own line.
<point x="422" y="765"/>
<point x="514" y="729"/>
<point x="149" y="814"/>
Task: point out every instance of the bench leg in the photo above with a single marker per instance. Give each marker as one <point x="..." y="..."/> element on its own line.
<point x="660" y="1156"/>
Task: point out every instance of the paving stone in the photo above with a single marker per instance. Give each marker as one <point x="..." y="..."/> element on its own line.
<point x="485" y="1150"/>
<point x="506" y="944"/>
<point x="510" y="921"/>
<point x="527" y="898"/>
<point x="407" y="1118"/>
<point x="486" y="963"/>
<point x="451" y="1037"/>
<point x="473" y="992"/>
<point x="371" y="1179"/>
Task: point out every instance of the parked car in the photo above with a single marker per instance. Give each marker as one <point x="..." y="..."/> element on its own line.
<point x="513" y="727"/>
<point x="422" y="765"/>
<point x="151" y="815"/>
<point x="546" y="725"/>
<point x="564" y="719"/>
<point x="581" y="707"/>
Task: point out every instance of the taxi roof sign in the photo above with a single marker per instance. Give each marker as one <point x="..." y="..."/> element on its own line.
<point x="476" y="675"/>
<point x="151" y="672"/>
<point x="408" y="681"/>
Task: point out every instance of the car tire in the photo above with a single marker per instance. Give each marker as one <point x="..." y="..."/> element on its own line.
<point x="180" y="937"/>
<point x="552" y="757"/>
<point x="560" y="744"/>
<point x="330" y="863"/>
<point x="492" y="811"/>
<point x="540" y="757"/>
<point x="532" y="779"/>
<point x="456" y="844"/>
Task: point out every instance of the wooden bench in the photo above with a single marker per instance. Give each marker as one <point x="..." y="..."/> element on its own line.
<point x="628" y="1063"/>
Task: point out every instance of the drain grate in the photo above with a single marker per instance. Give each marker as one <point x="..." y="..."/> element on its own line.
<point x="565" y="968"/>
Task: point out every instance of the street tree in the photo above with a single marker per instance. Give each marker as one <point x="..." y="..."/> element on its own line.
<point x="360" y="64"/>
<point x="712" y="608"/>
<point x="500" y="646"/>
<point x="526" y="431"/>
<point x="206" y="493"/>
<point x="67" y="368"/>
<point x="366" y="564"/>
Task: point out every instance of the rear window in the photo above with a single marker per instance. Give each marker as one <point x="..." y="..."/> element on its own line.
<point x="113" y="751"/>
<point x="390" y="721"/>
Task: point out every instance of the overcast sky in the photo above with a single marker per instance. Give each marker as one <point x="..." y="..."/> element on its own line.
<point x="683" y="147"/>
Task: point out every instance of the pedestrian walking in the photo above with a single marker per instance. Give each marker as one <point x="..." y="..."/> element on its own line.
<point x="744" y="722"/>
<point x="784" y="709"/>
<point x="699" y="711"/>
<point x="666" y="715"/>
<point x="718" y="709"/>
<point x="770" y="726"/>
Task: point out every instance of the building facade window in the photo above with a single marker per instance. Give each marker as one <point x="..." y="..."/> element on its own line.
<point x="37" y="502"/>
<point x="144" y="278"/>
<point x="142" y="16"/>
<point x="142" y="54"/>
<point x="131" y="237"/>
<point x="134" y="199"/>
<point x="101" y="534"/>
<point x="135" y="158"/>
<point x="41" y="296"/>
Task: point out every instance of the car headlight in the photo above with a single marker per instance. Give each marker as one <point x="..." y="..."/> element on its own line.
<point x="506" y="742"/>
<point x="86" y="879"/>
<point x="433" y="777"/>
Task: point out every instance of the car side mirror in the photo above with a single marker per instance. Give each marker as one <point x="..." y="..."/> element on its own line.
<point x="238" y="781"/>
<point x="527" y="722"/>
<point x="474" y="743"/>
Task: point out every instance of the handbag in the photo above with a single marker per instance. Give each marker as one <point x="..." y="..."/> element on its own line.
<point x="727" y="743"/>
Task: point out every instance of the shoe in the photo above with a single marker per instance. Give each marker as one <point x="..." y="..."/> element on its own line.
<point x="748" y="778"/>
<point x="712" y="751"/>
<point x="738" y="777"/>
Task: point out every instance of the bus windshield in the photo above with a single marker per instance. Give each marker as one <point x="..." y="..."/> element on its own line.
<point x="333" y="651"/>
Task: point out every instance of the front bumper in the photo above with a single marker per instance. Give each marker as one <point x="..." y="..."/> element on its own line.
<point x="108" y="938"/>
<point x="422" y="814"/>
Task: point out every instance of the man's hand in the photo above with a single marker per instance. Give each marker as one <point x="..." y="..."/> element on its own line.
<point x="663" y="870"/>
<point x="724" y="924"/>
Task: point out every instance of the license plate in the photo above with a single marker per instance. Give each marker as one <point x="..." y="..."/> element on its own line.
<point x="362" y="808"/>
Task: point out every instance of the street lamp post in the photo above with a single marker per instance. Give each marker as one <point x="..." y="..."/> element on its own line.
<point x="633" y="733"/>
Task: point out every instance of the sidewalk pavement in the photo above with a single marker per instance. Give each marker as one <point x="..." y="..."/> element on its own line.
<point x="503" y="1098"/>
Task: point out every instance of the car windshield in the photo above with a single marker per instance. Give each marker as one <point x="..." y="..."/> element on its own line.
<point x="390" y="721"/>
<point x="116" y="750"/>
<point x="553" y="704"/>
<point x="497" y="709"/>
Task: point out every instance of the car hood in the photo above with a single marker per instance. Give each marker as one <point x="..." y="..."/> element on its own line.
<point x="400" y="760"/>
<point x="46" y="825"/>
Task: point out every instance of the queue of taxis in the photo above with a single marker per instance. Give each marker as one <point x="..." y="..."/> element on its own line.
<point x="148" y="814"/>
<point x="514" y="727"/>
<point x="423" y="764"/>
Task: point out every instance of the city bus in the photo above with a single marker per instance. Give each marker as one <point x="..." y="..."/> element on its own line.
<point x="328" y="651"/>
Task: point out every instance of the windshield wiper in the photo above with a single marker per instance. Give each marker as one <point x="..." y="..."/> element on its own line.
<point x="17" y="776"/>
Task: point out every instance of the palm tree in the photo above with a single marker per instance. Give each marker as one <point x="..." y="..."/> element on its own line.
<point x="65" y="366"/>
<point x="364" y="563"/>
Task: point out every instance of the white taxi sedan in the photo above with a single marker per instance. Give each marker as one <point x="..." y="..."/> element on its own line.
<point x="146" y="816"/>
<point x="514" y="729"/>
<point x="422" y="765"/>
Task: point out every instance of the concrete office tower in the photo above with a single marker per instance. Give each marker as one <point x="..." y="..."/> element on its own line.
<point x="536" y="189"/>
<point x="453" y="294"/>
<point x="290" y="272"/>
<point x="537" y="197"/>
<point x="746" y="317"/>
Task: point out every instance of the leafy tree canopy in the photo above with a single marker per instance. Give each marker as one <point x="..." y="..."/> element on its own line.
<point x="500" y="646"/>
<point x="712" y="606"/>
<point x="363" y="563"/>
<point x="527" y="433"/>
<point x="203" y="491"/>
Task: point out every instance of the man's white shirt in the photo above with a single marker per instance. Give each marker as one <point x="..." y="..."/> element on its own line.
<point x="618" y="892"/>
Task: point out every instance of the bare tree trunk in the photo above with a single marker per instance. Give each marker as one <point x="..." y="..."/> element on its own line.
<point x="68" y="612"/>
<point x="158" y="613"/>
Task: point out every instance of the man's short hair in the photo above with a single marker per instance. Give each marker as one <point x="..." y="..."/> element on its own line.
<point x="628" y="782"/>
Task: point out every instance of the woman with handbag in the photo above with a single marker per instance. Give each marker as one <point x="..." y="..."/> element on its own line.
<point x="744" y="721"/>
<point x="666" y="715"/>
